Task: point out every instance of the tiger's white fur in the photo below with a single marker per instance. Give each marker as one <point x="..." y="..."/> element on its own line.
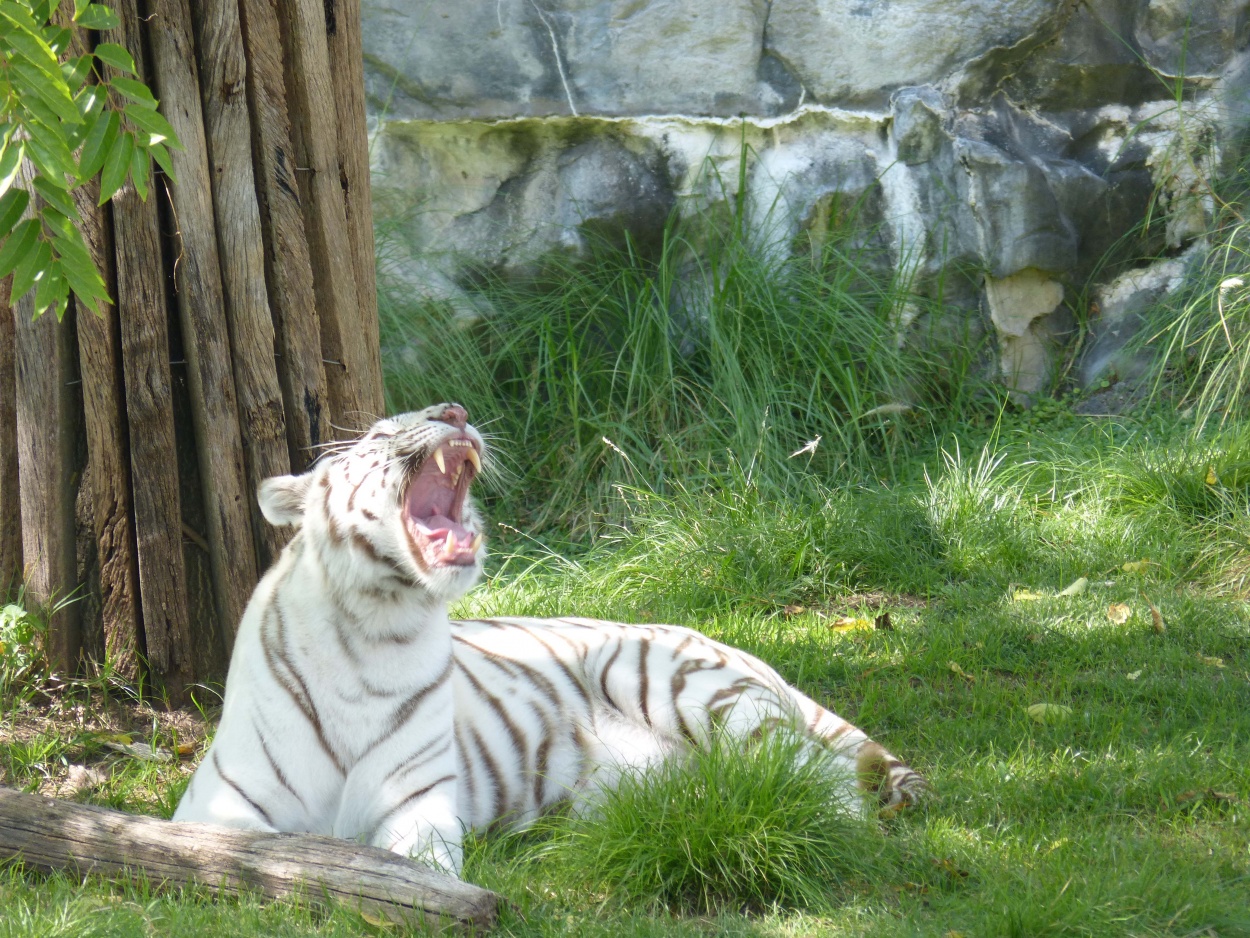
<point x="355" y="707"/>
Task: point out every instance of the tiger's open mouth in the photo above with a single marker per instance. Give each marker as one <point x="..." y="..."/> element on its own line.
<point x="434" y="506"/>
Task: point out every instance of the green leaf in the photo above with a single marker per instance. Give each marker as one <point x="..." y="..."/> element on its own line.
<point x="82" y="275"/>
<point x="154" y="124"/>
<point x="136" y="91"/>
<point x="52" y="157"/>
<point x="60" y="40"/>
<point x="76" y="71"/>
<point x="34" y="50"/>
<point x="58" y="198"/>
<point x="53" y="92"/>
<point x="50" y="286"/>
<point x="110" y="53"/>
<point x="12" y="204"/>
<point x="38" y="111"/>
<point x="97" y="16"/>
<point x="116" y="165"/>
<point x="10" y="163"/>
<point x="19" y="16"/>
<point x="30" y="267"/>
<point x="140" y="171"/>
<point x="97" y="145"/>
<point x="91" y="105"/>
<point x="161" y="155"/>
<point x="18" y="245"/>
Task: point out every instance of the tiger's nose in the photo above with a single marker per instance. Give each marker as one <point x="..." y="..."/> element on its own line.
<point x="453" y="414"/>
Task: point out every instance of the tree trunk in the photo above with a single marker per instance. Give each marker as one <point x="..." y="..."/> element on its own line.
<point x="52" y="835"/>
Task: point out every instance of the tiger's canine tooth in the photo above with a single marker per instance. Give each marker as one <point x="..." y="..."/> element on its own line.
<point x="439" y="461"/>
<point x="472" y="456"/>
<point x="476" y="543"/>
<point x="449" y="546"/>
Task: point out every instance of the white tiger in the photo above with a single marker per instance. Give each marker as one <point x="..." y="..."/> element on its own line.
<point x="354" y="707"/>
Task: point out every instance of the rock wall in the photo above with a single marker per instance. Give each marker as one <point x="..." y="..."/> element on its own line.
<point x="1013" y="141"/>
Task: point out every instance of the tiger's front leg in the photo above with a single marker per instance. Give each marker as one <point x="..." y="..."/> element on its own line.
<point x="401" y="794"/>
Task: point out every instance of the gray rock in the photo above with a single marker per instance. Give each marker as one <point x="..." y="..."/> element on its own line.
<point x="860" y="50"/>
<point x="995" y="153"/>
<point x="1113" y="353"/>
<point x="919" y="124"/>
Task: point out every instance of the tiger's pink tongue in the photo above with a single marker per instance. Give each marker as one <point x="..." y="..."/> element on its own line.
<point x="439" y="524"/>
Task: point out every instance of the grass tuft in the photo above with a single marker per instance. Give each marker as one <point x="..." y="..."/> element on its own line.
<point x="730" y="829"/>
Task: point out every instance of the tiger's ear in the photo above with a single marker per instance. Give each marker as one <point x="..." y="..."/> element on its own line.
<point x="282" y="499"/>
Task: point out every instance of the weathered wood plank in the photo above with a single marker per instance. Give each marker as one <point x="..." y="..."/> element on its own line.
<point x="200" y="302"/>
<point x="314" y="122"/>
<point x="143" y="318"/>
<point x="104" y="411"/>
<point x="287" y="264"/>
<point x="10" y="501"/>
<point x="49" y="419"/>
<point x="347" y="66"/>
<point x="228" y="127"/>
<point x="50" y="835"/>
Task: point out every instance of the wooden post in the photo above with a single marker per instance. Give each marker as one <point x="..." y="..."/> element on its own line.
<point x="104" y="412"/>
<point x="47" y="427"/>
<point x="10" y="502"/>
<point x="197" y="272"/>
<point x="144" y="324"/>
<point x="52" y="835"/>
<point x="355" y="394"/>
<point x="347" y="65"/>
<point x="228" y="132"/>
<point x="288" y="268"/>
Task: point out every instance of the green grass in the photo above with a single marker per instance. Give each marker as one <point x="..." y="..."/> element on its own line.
<point x="1126" y="814"/>
<point x="1126" y="817"/>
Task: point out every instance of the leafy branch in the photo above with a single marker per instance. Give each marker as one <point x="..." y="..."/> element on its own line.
<point x="63" y="114"/>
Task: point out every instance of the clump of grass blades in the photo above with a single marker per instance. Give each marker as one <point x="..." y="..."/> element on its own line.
<point x="1206" y="326"/>
<point x="734" y="827"/>
<point x="649" y="369"/>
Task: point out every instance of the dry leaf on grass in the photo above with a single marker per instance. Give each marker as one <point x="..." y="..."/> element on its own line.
<point x="1215" y="662"/>
<point x="1212" y="478"/>
<point x="1119" y="613"/>
<point x="1026" y="596"/>
<point x="82" y="778"/>
<point x="1156" y="619"/>
<point x="850" y="624"/>
<point x="377" y="921"/>
<point x="1134" y="675"/>
<point x="141" y="751"/>
<point x="956" y="669"/>
<point x="1136" y="566"/>
<point x="1048" y="712"/>
<point x="1078" y="586"/>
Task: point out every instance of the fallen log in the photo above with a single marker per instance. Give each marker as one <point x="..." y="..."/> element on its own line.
<point x="48" y="834"/>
